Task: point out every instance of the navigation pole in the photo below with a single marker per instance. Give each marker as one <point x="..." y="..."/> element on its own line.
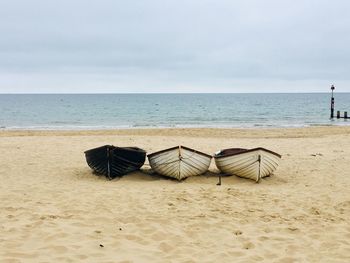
<point x="332" y="102"/>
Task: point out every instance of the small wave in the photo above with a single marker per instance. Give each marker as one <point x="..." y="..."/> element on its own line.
<point x="223" y="125"/>
<point x="137" y="125"/>
<point x="264" y="125"/>
<point x="62" y="123"/>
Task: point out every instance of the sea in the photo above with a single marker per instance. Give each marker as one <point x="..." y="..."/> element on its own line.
<point x="120" y="111"/>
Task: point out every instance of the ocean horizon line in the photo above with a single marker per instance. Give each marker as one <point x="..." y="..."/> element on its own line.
<point x="171" y="93"/>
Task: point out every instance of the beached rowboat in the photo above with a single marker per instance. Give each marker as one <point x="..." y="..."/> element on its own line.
<point x="248" y="163"/>
<point x="179" y="162"/>
<point x="114" y="161"/>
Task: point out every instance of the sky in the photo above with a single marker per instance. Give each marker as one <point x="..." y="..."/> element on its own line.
<point x="169" y="46"/>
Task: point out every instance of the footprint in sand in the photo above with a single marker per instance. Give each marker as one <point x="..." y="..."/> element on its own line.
<point x="59" y="249"/>
<point x="21" y="255"/>
<point x="343" y="207"/>
<point x="267" y="230"/>
<point x="81" y="257"/>
<point x="248" y="245"/>
<point x="165" y="247"/>
<point x="158" y="236"/>
<point x="55" y="236"/>
<point x="263" y="238"/>
<point x="293" y="230"/>
<point x="236" y="253"/>
<point x="131" y="237"/>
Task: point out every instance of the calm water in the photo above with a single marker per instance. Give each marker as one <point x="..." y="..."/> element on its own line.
<point x="102" y="111"/>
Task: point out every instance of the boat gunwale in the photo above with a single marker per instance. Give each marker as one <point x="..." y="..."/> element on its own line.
<point x="242" y="150"/>
<point x="97" y="148"/>
<point x="112" y="148"/>
<point x="178" y="147"/>
<point x="130" y="148"/>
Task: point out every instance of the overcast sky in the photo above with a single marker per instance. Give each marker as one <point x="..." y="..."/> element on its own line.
<point x="81" y="46"/>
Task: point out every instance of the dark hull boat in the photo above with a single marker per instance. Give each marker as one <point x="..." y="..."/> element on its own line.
<point x="114" y="161"/>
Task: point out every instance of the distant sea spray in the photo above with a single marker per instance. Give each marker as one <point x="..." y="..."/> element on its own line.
<point x="110" y="111"/>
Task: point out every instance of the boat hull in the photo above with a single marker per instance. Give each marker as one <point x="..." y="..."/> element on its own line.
<point x="114" y="161"/>
<point x="251" y="164"/>
<point x="179" y="162"/>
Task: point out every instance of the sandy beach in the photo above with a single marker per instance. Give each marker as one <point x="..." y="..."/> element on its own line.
<point x="54" y="209"/>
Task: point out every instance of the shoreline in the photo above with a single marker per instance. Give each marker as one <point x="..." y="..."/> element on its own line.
<point x="211" y="132"/>
<point x="336" y="123"/>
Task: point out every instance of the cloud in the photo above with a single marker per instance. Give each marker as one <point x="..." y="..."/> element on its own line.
<point x="173" y="46"/>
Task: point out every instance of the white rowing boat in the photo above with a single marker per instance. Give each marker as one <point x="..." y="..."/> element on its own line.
<point x="247" y="163"/>
<point x="179" y="162"/>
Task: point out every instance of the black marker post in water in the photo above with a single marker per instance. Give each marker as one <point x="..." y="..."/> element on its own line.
<point x="345" y="116"/>
<point x="332" y="102"/>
